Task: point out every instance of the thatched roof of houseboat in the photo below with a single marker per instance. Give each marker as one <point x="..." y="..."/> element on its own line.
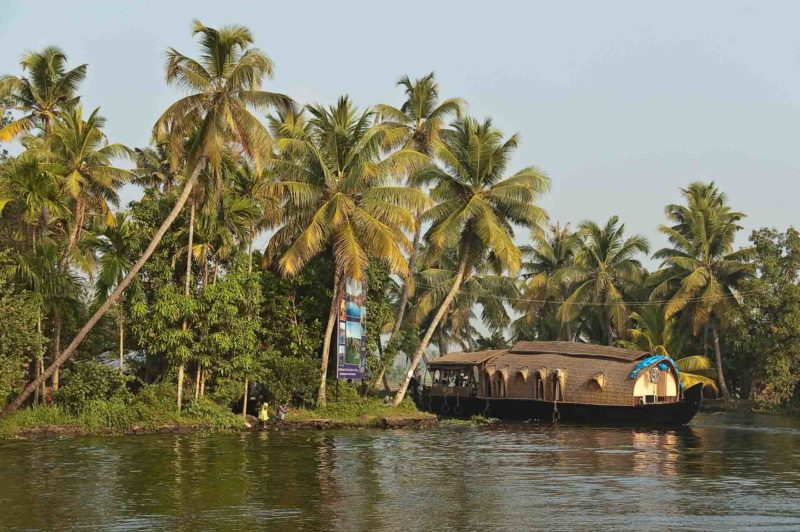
<point x="577" y="349"/>
<point x="465" y="359"/>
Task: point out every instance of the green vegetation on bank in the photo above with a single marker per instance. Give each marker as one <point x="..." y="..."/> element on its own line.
<point x="347" y="407"/>
<point x="107" y="311"/>
<point x="150" y="410"/>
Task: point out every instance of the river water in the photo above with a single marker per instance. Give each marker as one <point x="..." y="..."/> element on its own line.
<point x="721" y="472"/>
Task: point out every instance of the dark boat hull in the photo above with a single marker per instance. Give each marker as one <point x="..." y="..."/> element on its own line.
<point x="678" y="413"/>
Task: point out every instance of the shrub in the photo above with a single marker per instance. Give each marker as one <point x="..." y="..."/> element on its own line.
<point x="91" y="381"/>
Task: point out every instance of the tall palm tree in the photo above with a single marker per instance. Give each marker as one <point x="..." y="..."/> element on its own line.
<point x="47" y="90"/>
<point x="340" y="193"/>
<point x="224" y="85"/>
<point x="117" y="246"/>
<point x="547" y="276"/>
<point x="417" y="124"/>
<point x="80" y="152"/>
<point x="476" y="207"/>
<point x="605" y="270"/>
<point x="422" y="117"/>
<point x="701" y="269"/>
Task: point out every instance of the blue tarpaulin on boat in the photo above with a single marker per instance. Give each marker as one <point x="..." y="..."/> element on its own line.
<point x="665" y="362"/>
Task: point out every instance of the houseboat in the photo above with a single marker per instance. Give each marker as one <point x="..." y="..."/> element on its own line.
<point x="560" y="381"/>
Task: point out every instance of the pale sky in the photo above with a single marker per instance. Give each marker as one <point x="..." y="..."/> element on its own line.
<point x="621" y="103"/>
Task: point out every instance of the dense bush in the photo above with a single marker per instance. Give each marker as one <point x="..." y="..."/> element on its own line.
<point x="152" y="408"/>
<point x="86" y="382"/>
<point x="764" y="338"/>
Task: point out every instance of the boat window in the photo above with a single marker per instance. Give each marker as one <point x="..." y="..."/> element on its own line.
<point x="518" y="387"/>
<point x="498" y="385"/>
<point x="537" y="385"/>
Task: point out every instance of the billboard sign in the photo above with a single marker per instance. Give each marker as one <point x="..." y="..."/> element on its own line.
<point x="351" y="347"/>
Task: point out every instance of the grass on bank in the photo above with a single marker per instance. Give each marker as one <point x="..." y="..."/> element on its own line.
<point x="148" y="411"/>
<point x="349" y="408"/>
<point x="152" y="408"/>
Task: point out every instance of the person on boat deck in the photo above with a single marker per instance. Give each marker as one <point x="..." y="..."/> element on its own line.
<point x="460" y="379"/>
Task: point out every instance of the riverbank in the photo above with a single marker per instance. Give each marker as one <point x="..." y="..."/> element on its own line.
<point x="359" y="413"/>
<point x="114" y="418"/>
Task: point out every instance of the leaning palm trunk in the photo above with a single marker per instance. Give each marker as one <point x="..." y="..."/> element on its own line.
<point x="39" y="362"/>
<point x="56" y="345"/>
<point x="121" y="308"/>
<point x="250" y="250"/>
<point x="326" y="344"/>
<point x="197" y="375"/>
<point x="720" y="376"/>
<point x="380" y="376"/>
<point x="115" y="295"/>
<point x="448" y="300"/>
<point x="187" y="286"/>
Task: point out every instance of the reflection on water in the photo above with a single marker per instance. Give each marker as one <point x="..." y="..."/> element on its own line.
<point x="721" y="471"/>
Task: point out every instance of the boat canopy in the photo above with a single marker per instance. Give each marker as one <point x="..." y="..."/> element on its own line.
<point x="578" y="350"/>
<point x="464" y="359"/>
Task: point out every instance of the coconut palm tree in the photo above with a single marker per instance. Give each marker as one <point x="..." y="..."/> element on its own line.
<point x="26" y="182"/>
<point x="481" y="286"/>
<point x="224" y="86"/>
<point x="340" y="193"/>
<point x="698" y="369"/>
<point x="547" y="276"/>
<point x="422" y="117"/>
<point x="417" y="124"/>
<point x="153" y="169"/>
<point x="117" y="245"/>
<point x="701" y="269"/>
<point x="495" y="341"/>
<point x="476" y="207"/>
<point x="605" y="269"/>
<point x="45" y="90"/>
<point x="251" y="191"/>
<point x="654" y="333"/>
<point x="80" y="153"/>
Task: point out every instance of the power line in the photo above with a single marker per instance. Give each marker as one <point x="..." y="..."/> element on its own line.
<point x="589" y="304"/>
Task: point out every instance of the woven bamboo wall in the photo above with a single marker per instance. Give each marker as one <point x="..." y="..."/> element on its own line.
<point x="580" y="386"/>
